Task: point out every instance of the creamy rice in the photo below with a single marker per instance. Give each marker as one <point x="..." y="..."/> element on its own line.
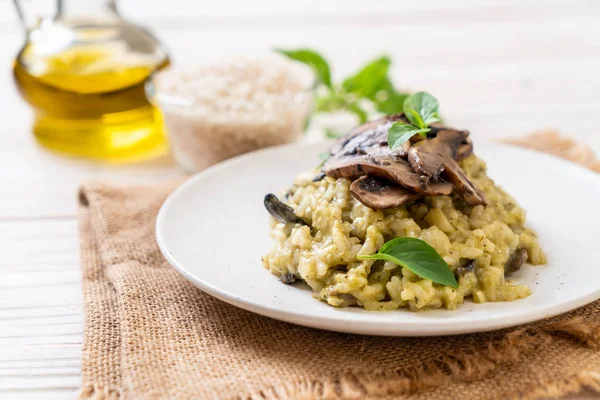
<point x="344" y="228"/>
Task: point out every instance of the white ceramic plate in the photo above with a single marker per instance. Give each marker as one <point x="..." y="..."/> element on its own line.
<point x="214" y="230"/>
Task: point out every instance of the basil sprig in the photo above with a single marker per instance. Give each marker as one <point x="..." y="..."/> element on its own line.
<point x="369" y="89"/>
<point x="417" y="256"/>
<point x="314" y="60"/>
<point x="421" y="109"/>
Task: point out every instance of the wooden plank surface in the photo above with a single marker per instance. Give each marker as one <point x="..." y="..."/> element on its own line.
<point x="499" y="68"/>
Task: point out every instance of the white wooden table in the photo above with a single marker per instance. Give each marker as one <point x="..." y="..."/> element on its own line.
<point x="499" y="68"/>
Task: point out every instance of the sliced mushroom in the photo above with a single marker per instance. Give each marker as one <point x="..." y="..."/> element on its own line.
<point x="464" y="150"/>
<point x="288" y="278"/>
<point x="515" y="262"/>
<point x="463" y="186"/>
<point x="369" y="138"/>
<point x="469" y="266"/>
<point x="281" y="211"/>
<point x="428" y="157"/>
<point x="437" y="157"/>
<point x="318" y="177"/>
<point x="392" y="168"/>
<point x="379" y="194"/>
<point x="364" y="151"/>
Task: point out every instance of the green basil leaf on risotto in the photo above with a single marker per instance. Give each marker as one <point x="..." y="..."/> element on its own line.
<point x="312" y="59"/>
<point x="421" y="109"/>
<point x="400" y="133"/>
<point x="417" y="256"/>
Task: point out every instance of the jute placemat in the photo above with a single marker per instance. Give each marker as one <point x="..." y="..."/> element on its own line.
<point x="151" y="335"/>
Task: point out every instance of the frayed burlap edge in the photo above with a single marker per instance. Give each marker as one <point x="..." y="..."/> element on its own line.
<point x="469" y="366"/>
<point x="97" y="392"/>
<point x="570" y="385"/>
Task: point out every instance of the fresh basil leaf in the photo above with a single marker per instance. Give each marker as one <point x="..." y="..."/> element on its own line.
<point x="399" y="133"/>
<point x="370" y="79"/>
<point x="313" y="59"/>
<point x="414" y="117"/>
<point x="417" y="256"/>
<point x="388" y="100"/>
<point x="425" y="105"/>
<point x="433" y="118"/>
<point x="334" y="102"/>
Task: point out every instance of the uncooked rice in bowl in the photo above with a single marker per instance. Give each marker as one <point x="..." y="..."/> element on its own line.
<point x="233" y="105"/>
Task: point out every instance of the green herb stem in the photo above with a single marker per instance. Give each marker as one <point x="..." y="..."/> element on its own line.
<point x="370" y="85"/>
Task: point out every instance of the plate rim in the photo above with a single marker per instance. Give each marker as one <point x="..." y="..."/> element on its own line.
<point x="339" y="323"/>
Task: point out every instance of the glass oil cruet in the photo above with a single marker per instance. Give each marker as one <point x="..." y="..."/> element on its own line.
<point x="83" y="72"/>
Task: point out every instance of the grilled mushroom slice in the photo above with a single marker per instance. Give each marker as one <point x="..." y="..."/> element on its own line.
<point x="464" y="150"/>
<point x="437" y="157"/>
<point x="384" y="166"/>
<point x="288" y="278"/>
<point x="318" y="177"/>
<point x="515" y="261"/>
<point x="281" y="211"/>
<point x="468" y="266"/>
<point x="428" y="157"/>
<point x="369" y="138"/>
<point x="380" y="194"/>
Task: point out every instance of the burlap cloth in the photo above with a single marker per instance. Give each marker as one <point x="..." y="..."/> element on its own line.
<point x="149" y="334"/>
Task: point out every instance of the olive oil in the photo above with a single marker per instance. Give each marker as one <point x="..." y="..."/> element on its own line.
<point x="86" y="86"/>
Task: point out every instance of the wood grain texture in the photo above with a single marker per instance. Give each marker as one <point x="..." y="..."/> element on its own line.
<point x="499" y="68"/>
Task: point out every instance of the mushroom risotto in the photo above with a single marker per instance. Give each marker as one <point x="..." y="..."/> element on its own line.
<point x="333" y="223"/>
